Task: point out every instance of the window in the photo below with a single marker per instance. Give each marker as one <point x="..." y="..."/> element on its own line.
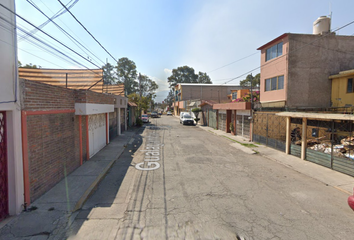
<point x="234" y="95"/>
<point x="274" y="83"/>
<point x="274" y="51"/>
<point x="350" y="85"/>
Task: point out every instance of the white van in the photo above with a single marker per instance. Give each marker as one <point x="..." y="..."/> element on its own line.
<point x="186" y="118"/>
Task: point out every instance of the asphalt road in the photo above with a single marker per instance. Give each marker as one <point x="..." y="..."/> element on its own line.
<point x="191" y="184"/>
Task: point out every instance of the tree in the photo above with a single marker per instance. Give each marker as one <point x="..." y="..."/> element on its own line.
<point x="147" y="86"/>
<point x="28" y="65"/>
<point x="183" y="74"/>
<point x="170" y="98"/>
<point x="255" y="80"/>
<point x="109" y="74"/>
<point x="126" y="73"/>
<point x="142" y="102"/>
<point x="203" y="78"/>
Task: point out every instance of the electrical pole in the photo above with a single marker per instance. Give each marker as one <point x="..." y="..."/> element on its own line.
<point x="140" y="94"/>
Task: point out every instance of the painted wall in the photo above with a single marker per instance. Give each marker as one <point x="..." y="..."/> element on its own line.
<point x="273" y="68"/>
<point x="339" y="96"/>
<point x="9" y="96"/>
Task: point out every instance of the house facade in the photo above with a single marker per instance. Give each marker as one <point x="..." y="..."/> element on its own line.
<point x="295" y="69"/>
<point x="342" y="94"/>
<point x="197" y="92"/>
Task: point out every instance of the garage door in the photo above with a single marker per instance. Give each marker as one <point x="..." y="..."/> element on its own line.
<point x="97" y="133"/>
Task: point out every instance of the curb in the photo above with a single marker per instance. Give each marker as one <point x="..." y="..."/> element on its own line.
<point x="99" y="178"/>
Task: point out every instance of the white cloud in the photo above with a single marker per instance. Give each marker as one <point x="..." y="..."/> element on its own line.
<point x="168" y="71"/>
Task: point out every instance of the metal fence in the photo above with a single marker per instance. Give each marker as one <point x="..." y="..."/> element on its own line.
<point x="270" y="130"/>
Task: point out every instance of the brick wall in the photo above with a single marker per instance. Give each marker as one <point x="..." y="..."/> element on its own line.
<point x="54" y="139"/>
<point x="51" y="149"/>
<point x="83" y="96"/>
<point x="40" y="96"/>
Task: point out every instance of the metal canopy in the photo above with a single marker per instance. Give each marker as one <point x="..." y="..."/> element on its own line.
<point x="331" y="116"/>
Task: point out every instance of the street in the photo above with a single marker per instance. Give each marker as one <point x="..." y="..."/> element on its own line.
<point x="181" y="182"/>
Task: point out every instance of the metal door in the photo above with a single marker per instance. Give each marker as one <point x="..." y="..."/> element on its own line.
<point x="212" y="118"/>
<point x="4" y="209"/>
<point x="243" y="126"/>
<point x="97" y="133"/>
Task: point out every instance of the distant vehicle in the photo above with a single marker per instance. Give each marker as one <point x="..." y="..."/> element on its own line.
<point x="145" y="118"/>
<point x="154" y="114"/>
<point x="169" y="113"/>
<point x="186" y="118"/>
<point x="160" y="113"/>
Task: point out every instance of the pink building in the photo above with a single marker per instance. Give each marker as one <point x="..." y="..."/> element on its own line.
<point x="295" y="69"/>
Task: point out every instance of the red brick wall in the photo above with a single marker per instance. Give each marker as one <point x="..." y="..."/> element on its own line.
<point x="40" y="96"/>
<point x="83" y="96"/>
<point x="51" y="149"/>
<point x="54" y="139"/>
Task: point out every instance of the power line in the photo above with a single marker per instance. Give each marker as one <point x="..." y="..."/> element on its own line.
<point x="300" y="48"/>
<point x="70" y="37"/>
<point x="46" y="34"/>
<point x="87" y="30"/>
<point x="70" y="29"/>
<point x="233" y="62"/>
<point x="59" y="13"/>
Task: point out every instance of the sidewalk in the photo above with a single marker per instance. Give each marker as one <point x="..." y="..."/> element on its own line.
<point x="55" y="209"/>
<point x="340" y="181"/>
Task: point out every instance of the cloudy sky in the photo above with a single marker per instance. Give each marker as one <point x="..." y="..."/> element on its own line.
<point x="219" y="37"/>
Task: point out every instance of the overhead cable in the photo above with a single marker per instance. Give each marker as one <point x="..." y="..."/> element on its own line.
<point x="87" y="31"/>
<point x="47" y="35"/>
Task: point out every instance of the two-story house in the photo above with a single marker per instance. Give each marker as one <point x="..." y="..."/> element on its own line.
<point x="295" y="69"/>
<point x="189" y="95"/>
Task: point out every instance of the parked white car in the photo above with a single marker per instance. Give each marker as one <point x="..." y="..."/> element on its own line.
<point x="186" y="118"/>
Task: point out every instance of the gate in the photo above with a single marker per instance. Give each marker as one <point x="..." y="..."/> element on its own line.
<point x="243" y="126"/>
<point x="270" y="130"/>
<point x="212" y="118"/>
<point x="4" y="209"/>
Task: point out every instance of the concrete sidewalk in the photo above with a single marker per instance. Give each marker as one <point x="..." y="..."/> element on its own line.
<point x="340" y="181"/>
<point x="55" y="210"/>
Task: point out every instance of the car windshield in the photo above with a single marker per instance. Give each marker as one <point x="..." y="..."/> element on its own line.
<point x="186" y="115"/>
<point x="144" y="115"/>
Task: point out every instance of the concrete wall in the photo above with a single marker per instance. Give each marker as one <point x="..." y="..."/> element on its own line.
<point x="212" y="92"/>
<point x="311" y="63"/>
<point x="9" y="102"/>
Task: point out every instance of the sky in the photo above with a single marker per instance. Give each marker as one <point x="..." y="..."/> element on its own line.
<point x="219" y="37"/>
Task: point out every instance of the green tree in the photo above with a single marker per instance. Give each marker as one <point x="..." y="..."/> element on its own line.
<point x="142" y="102"/>
<point x="183" y="74"/>
<point x="126" y="73"/>
<point x="147" y="86"/>
<point x="109" y="74"/>
<point x="170" y="98"/>
<point x="255" y="80"/>
<point x="203" y="78"/>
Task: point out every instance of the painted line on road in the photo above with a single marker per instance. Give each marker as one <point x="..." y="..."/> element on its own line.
<point x="131" y="141"/>
<point x="340" y="189"/>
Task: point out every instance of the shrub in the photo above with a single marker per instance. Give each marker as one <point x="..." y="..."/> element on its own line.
<point x="139" y="122"/>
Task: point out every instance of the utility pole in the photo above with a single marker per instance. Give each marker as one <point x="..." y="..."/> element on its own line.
<point x="140" y="94"/>
<point x="251" y="93"/>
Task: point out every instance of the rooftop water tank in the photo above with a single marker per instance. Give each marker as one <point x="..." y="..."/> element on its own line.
<point x="322" y="25"/>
